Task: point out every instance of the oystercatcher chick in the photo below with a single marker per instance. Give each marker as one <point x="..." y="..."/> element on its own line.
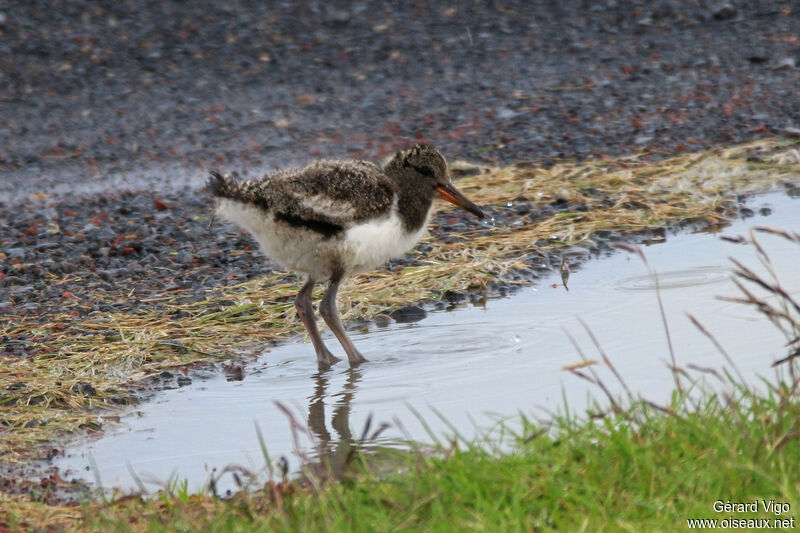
<point x="336" y="217"/>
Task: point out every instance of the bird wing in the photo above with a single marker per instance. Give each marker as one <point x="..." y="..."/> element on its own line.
<point x="333" y="193"/>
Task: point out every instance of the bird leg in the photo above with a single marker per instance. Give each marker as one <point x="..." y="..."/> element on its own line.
<point x="306" y="313"/>
<point x="328" y="311"/>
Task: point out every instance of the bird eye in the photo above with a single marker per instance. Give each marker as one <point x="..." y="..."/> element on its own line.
<point x="425" y="171"/>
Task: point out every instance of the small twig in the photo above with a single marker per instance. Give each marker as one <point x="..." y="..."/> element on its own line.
<point x="794" y="355"/>
<point x="719" y="347"/>
<point x="638" y="250"/>
<point x="605" y="357"/>
<point x="705" y="370"/>
<point x="595" y="378"/>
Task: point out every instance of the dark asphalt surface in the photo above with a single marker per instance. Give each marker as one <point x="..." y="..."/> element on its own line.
<point x="139" y="94"/>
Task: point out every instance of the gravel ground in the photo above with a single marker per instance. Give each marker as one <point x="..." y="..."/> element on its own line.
<point x="113" y="111"/>
<point x="128" y="93"/>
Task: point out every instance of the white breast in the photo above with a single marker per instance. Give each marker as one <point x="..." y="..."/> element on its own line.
<point x="371" y="244"/>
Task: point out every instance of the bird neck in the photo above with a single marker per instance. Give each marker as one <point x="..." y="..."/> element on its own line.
<point x="413" y="204"/>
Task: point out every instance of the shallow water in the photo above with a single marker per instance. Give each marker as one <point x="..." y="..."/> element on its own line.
<point x="473" y="366"/>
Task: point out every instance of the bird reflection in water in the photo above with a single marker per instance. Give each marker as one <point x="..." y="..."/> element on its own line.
<point x="335" y="455"/>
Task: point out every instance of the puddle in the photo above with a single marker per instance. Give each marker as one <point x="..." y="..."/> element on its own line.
<point x="474" y="366"/>
<point x="676" y="279"/>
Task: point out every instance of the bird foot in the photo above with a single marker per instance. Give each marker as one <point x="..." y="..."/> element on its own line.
<point x="356" y="359"/>
<point x="325" y="358"/>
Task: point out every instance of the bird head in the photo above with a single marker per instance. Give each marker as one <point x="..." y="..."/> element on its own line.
<point x="426" y="165"/>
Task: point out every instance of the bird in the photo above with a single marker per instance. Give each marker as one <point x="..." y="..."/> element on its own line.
<point x="333" y="218"/>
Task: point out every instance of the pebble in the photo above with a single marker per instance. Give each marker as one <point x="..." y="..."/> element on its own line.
<point x="724" y="11"/>
<point x="21" y="290"/>
<point x="45" y="246"/>
<point x="15" y="252"/>
<point x="788" y="63"/>
<point x="408" y="313"/>
<point x="84" y="389"/>
<point x="454" y="297"/>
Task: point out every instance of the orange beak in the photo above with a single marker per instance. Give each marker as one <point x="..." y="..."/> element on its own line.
<point x="452" y="195"/>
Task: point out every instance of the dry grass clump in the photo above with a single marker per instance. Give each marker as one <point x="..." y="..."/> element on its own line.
<point x="90" y="365"/>
<point x="776" y="303"/>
